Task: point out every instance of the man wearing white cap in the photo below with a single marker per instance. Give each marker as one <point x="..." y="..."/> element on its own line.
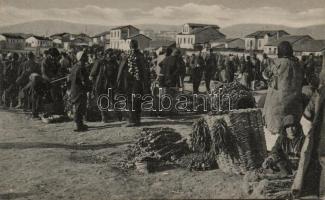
<point x="79" y="87"/>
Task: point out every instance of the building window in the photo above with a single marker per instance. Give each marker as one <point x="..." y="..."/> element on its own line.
<point x="251" y="44"/>
<point x="274" y="50"/>
<point x="192" y="41"/>
<point x="189" y="40"/>
<point x="270" y="50"/>
<point x="259" y="43"/>
<point x="184" y="40"/>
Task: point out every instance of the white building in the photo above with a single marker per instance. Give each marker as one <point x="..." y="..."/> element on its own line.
<point x="257" y="40"/>
<point x="193" y="35"/>
<point x="38" y="41"/>
<point x="120" y="38"/>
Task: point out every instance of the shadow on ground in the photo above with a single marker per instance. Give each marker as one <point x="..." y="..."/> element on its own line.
<point x="31" y="145"/>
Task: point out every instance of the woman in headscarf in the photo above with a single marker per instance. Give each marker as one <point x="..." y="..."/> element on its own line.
<point x="284" y="96"/>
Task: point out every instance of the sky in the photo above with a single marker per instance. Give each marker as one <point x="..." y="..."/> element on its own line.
<point x="294" y="13"/>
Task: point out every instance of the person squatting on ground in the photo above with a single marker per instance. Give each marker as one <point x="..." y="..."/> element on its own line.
<point x="79" y="88"/>
<point x="132" y="79"/>
<point x="285" y="153"/>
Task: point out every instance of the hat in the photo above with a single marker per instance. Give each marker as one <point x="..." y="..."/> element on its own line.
<point x="288" y="121"/>
<point x="79" y="55"/>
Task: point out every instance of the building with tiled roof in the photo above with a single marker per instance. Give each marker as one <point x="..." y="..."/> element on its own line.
<point x="11" y="41"/>
<point x="38" y="41"/>
<point x="271" y="47"/>
<point x="197" y="34"/>
<point x="257" y="40"/>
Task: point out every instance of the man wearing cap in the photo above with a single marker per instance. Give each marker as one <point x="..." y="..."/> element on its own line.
<point x="132" y="80"/>
<point x="197" y="71"/>
<point x="104" y="74"/>
<point x="79" y="88"/>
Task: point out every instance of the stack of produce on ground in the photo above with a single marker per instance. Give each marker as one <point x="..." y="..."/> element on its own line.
<point x="265" y="185"/>
<point x="232" y="96"/>
<point x="156" y="147"/>
<point x="235" y="141"/>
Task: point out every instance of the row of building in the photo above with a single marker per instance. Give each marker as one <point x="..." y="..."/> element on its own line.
<point x="193" y="37"/>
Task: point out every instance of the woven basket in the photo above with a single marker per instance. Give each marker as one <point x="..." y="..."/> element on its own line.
<point x="246" y="129"/>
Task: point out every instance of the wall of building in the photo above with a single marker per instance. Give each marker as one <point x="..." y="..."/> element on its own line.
<point x="250" y="43"/>
<point x="185" y="41"/>
<point x="12" y="43"/>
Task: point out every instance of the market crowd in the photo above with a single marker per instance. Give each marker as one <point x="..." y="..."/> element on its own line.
<point x="71" y="79"/>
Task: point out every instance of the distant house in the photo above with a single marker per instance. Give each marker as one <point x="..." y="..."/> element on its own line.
<point x="11" y="41"/>
<point x="257" y="40"/>
<point x="120" y="38"/>
<point x="166" y="35"/>
<point x="193" y="35"/>
<point x="59" y="39"/>
<point x="271" y="48"/>
<point x="38" y="41"/>
<point x="143" y="42"/>
<point x="316" y="47"/>
<point x="101" y="38"/>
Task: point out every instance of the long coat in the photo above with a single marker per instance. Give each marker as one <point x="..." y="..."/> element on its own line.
<point x="79" y="82"/>
<point x="284" y="95"/>
<point x="125" y="81"/>
<point x="105" y="72"/>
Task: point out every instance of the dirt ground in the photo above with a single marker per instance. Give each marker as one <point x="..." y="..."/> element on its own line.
<point x="50" y="161"/>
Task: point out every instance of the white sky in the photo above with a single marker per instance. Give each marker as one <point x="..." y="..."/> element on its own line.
<point x="295" y="13"/>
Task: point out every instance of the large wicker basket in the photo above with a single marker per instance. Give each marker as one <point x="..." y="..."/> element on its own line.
<point x="246" y="129"/>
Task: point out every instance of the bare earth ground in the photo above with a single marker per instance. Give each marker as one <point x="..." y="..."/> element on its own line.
<point x="50" y="161"/>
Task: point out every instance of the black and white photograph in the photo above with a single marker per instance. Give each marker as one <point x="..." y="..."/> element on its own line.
<point x="162" y="99"/>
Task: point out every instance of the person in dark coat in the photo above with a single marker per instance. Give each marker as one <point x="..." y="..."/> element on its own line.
<point x="132" y="78"/>
<point x="50" y="71"/>
<point x="210" y="68"/>
<point x="198" y="66"/>
<point x="10" y="75"/>
<point x="79" y="88"/>
<point x="28" y="67"/>
<point x="104" y="74"/>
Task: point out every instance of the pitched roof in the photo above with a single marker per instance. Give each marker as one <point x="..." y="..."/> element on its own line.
<point x="101" y="34"/>
<point x="59" y="34"/>
<point x="12" y="35"/>
<point x="310" y="46"/>
<point x="133" y="36"/>
<point x="40" y="37"/>
<point x="202" y="25"/>
<point x="126" y="26"/>
<point x="290" y="38"/>
<point x="261" y="34"/>
<point x="225" y="40"/>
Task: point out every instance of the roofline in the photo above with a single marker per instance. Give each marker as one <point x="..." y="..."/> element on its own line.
<point x="120" y="27"/>
<point x="138" y="35"/>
